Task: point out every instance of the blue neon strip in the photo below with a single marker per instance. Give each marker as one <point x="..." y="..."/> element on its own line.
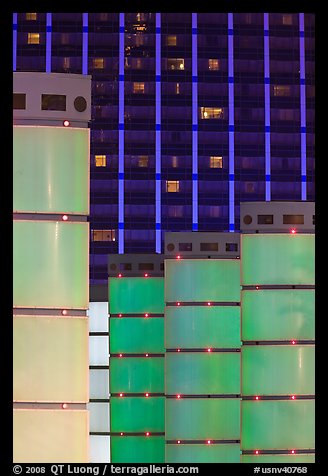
<point x="48" y="42"/>
<point x="267" y="137"/>
<point x="14" y="41"/>
<point x="85" y="44"/>
<point x="121" y="137"/>
<point x="194" y="99"/>
<point x="303" y="107"/>
<point x="231" y="125"/>
<point x="158" y="219"/>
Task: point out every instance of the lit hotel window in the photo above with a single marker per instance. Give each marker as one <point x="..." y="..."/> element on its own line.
<point x="33" y="38"/>
<point x="143" y="161"/>
<point x="100" y="160"/>
<point x="174" y="161"/>
<point x="171" y="40"/>
<point x="98" y="63"/>
<point x="139" y="88"/>
<point x="281" y="90"/>
<point x="103" y="235"/>
<point x="177" y="88"/>
<point x="66" y="62"/>
<point x="213" y="64"/>
<point x="175" y="63"/>
<point x="172" y="185"/>
<point x="216" y="162"/>
<point x="212" y="112"/>
<point x="287" y="20"/>
<point x="31" y="16"/>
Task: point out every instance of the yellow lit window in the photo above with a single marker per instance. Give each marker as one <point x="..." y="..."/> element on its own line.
<point x="33" y="38"/>
<point x="103" y="235"/>
<point x="139" y="88"/>
<point x="213" y="64"/>
<point x="171" y="40"/>
<point x="212" y="112"/>
<point x="31" y="16"/>
<point x="100" y="160"/>
<point x="287" y="19"/>
<point x="98" y="63"/>
<point x="281" y="90"/>
<point x="177" y="88"/>
<point x="216" y="162"/>
<point x="175" y="63"/>
<point x="143" y="161"/>
<point x="172" y="185"/>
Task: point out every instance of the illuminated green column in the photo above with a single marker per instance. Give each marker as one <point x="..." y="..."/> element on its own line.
<point x="202" y="360"/>
<point x="50" y="269"/>
<point x="277" y="415"/>
<point x="136" y="369"/>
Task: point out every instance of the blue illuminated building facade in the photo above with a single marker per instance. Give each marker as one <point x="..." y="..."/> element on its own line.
<point x="192" y="113"/>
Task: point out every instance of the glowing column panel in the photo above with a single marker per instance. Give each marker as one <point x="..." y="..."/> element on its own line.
<point x="278" y="361"/>
<point x="46" y="435"/>
<point x="50" y="169"/>
<point x="136" y="307"/>
<point x="41" y="346"/>
<point x="50" y="264"/>
<point x="202" y="360"/>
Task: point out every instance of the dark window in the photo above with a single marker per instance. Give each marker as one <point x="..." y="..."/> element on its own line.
<point x="265" y="219"/>
<point x="145" y="266"/>
<point x="53" y="102"/>
<point x="293" y="219"/>
<point x="162" y="266"/>
<point x="231" y="246"/>
<point x="313" y="219"/>
<point x="125" y="266"/>
<point x="185" y="246"/>
<point x="19" y="101"/>
<point x="209" y="247"/>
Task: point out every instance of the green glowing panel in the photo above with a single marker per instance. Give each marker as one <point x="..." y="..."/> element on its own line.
<point x="136" y="414"/>
<point x="193" y="327"/>
<point x="51" y="169"/>
<point x="184" y="453"/>
<point x="51" y="264"/>
<point x="279" y="370"/>
<point x="202" y="373"/>
<point x="50" y="436"/>
<point x="195" y="280"/>
<point x="277" y="424"/>
<point x="290" y="460"/>
<point x="282" y="314"/>
<point x="202" y="418"/>
<point x="137" y="335"/>
<point x="136" y="295"/>
<point x="50" y="359"/>
<point x="137" y="449"/>
<point x="277" y="259"/>
<point x="137" y="374"/>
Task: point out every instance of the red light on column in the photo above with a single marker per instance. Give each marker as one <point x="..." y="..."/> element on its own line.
<point x="257" y="287"/>
<point x="178" y="396"/>
<point x="146" y="355"/>
<point x="64" y="312"/>
<point x="64" y="405"/>
<point x="293" y="452"/>
<point x="178" y="303"/>
<point x="178" y="442"/>
<point x="66" y="123"/>
<point x="293" y="342"/>
<point x="120" y="315"/>
<point x="209" y="350"/>
<point x="178" y="350"/>
<point x="293" y="397"/>
<point x="209" y="442"/>
<point x="178" y="257"/>
<point x="147" y="433"/>
<point x="209" y="304"/>
<point x="65" y="217"/>
<point x="119" y="275"/>
<point x="120" y="355"/>
<point x="146" y="394"/>
<point x="146" y="315"/>
<point x="121" y="433"/>
<point x="293" y="231"/>
<point x="121" y="394"/>
<point x="257" y="397"/>
<point x="146" y="275"/>
<point x="256" y="452"/>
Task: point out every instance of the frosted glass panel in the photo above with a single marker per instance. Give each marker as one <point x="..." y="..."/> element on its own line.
<point x="282" y="314"/>
<point x="136" y="414"/>
<point x="51" y="169"/>
<point x="98" y="316"/>
<point x="279" y="370"/>
<point x="137" y="335"/>
<point x="137" y="374"/>
<point x="277" y="259"/>
<point x="99" y="346"/>
<point x="99" y="448"/>
<point x="184" y="453"/>
<point x="50" y="359"/>
<point x="136" y="295"/>
<point x="99" y="383"/>
<point x="202" y="326"/>
<point x="99" y="416"/>
<point x="137" y="449"/>
<point x="202" y="280"/>
<point x="50" y="264"/>
<point x="50" y="436"/>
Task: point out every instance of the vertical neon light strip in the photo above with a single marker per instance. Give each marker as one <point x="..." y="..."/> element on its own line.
<point x="85" y="43"/>
<point x="194" y="123"/>
<point x="303" y="107"/>
<point x="14" y="41"/>
<point x="267" y="108"/>
<point x="231" y="126"/>
<point x="121" y="139"/>
<point x="158" y="135"/>
<point x="48" y="42"/>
